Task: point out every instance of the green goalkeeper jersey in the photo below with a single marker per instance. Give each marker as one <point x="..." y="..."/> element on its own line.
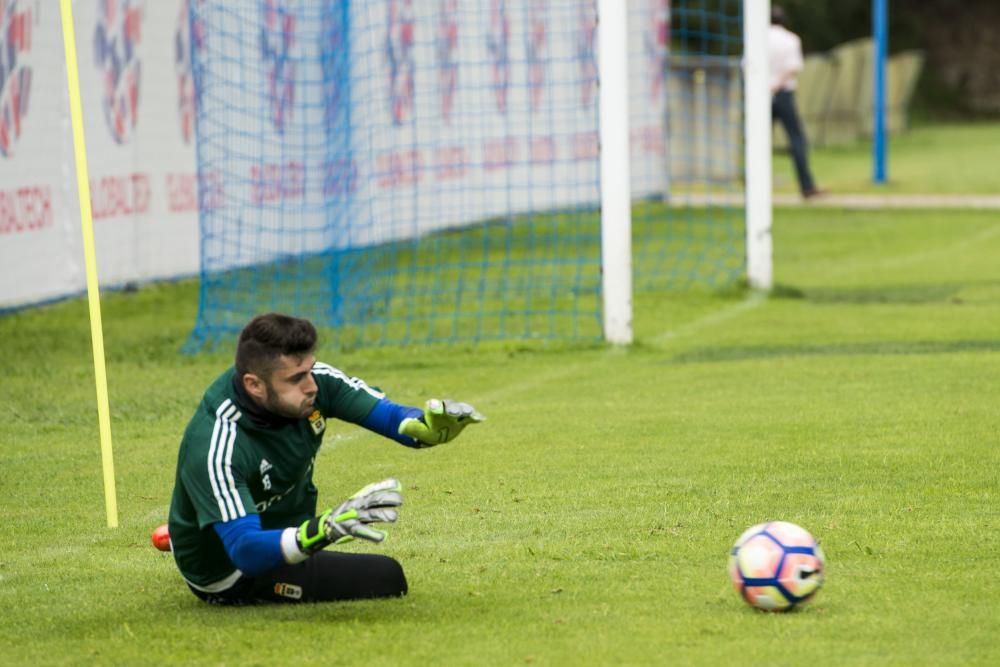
<point x="236" y="460"/>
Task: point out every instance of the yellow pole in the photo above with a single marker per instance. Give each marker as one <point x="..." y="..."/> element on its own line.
<point x="90" y="259"/>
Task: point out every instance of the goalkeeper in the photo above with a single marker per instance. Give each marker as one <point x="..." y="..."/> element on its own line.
<point x="243" y="523"/>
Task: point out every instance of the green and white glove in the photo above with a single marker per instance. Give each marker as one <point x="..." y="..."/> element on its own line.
<point x="443" y="420"/>
<point x="373" y="504"/>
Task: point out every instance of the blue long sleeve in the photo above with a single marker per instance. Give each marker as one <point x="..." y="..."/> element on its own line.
<point x="385" y="418"/>
<point x="252" y="549"/>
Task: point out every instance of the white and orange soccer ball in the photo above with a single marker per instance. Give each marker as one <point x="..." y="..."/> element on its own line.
<point x="776" y="566"/>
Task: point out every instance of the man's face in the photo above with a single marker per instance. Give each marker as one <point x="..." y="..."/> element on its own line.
<point x="291" y="389"/>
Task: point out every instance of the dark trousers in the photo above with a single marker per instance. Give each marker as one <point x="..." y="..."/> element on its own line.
<point x="325" y="577"/>
<point x="783" y="110"/>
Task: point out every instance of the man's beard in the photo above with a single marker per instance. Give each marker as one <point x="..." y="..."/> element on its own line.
<point x="273" y="403"/>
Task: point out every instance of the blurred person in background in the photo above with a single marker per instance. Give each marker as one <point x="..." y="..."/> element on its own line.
<point x="784" y="65"/>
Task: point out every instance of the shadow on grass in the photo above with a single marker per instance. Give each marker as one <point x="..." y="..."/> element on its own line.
<point x="900" y="294"/>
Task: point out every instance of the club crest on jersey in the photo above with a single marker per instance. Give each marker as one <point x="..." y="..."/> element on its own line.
<point x="316" y="422"/>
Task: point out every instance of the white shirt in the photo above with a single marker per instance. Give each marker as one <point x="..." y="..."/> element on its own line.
<point x="784" y="58"/>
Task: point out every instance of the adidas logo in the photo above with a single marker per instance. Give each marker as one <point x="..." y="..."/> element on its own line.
<point x="265" y="465"/>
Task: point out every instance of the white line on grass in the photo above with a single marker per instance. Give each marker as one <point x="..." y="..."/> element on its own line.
<point x="752" y="300"/>
<point x="851" y="267"/>
<point x="944" y="250"/>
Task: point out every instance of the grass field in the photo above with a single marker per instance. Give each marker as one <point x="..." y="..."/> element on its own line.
<point x="940" y="159"/>
<point x="588" y="521"/>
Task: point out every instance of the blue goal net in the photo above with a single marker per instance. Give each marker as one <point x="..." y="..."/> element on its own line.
<point x="427" y="171"/>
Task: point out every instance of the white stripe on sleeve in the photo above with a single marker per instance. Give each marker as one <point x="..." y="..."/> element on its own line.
<point x="220" y="457"/>
<point x="319" y="368"/>
<point x="211" y="459"/>
<point x="234" y="493"/>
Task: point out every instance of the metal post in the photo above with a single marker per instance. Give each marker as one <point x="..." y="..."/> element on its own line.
<point x="880" y="30"/>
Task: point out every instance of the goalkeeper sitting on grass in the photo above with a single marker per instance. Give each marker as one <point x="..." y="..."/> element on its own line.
<point x="243" y="521"/>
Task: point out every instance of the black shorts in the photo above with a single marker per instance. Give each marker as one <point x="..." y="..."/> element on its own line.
<point x="325" y="577"/>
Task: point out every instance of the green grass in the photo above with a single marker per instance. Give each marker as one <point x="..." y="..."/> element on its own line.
<point x="939" y="159"/>
<point x="588" y="520"/>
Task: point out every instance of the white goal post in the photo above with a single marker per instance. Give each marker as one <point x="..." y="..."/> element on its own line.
<point x="757" y="143"/>
<point x="616" y="224"/>
<point x="616" y="199"/>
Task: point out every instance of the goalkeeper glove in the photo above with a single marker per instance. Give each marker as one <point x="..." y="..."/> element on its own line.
<point x="372" y="504"/>
<point x="442" y="421"/>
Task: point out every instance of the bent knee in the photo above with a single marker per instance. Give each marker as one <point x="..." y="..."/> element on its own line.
<point x="389" y="576"/>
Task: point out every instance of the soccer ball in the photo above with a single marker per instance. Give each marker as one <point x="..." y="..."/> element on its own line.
<point x="776" y="566"/>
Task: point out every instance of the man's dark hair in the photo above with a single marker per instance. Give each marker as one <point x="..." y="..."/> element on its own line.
<point x="778" y="16"/>
<point x="266" y="337"/>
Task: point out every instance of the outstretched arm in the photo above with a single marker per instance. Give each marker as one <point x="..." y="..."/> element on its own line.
<point x="440" y="421"/>
<point x="386" y="417"/>
<point x="254" y="551"/>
